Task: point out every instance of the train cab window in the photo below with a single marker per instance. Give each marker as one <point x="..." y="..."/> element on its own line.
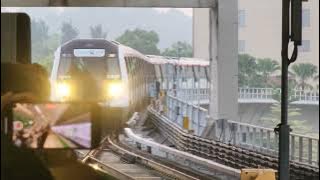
<point x="113" y="68"/>
<point x="97" y="67"/>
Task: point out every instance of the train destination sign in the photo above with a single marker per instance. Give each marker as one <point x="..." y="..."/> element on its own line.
<point x="89" y="52"/>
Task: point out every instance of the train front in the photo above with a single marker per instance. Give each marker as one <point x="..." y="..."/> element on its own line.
<point x="89" y="70"/>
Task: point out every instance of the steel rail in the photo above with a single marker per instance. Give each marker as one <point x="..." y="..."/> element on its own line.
<point x="162" y="170"/>
<point x="227" y="154"/>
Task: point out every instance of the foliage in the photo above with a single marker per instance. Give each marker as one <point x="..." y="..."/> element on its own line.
<point x="179" y="49"/>
<point x="39" y="31"/>
<point x="255" y="72"/>
<point x="316" y="79"/>
<point x="68" y="32"/>
<point x="39" y="35"/>
<point x="97" y="32"/>
<point x="302" y="73"/>
<point x="43" y="44"/>
<point x="266" y="67"/>
<point x="141" y="40"/>
<point x="247" y="71"/>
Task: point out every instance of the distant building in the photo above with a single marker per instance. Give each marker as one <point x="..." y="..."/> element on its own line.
<point x="260" y="30"/>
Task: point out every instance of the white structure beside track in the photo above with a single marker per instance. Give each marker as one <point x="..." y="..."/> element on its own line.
<point x="185" y="159"/>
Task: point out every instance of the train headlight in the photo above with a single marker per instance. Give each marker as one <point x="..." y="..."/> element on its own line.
<point x="115" y="89"/>
<point x="63" y="89"/>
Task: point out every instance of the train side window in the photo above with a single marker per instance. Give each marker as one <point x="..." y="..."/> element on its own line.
<point x="153" y="72"/>
<point x="133" y="65"/>
<point x="138" y="70"/>
<point x="158" y="71"/>
<point x="163" y="71"/>
<point x="145" y="69"/>
<point x="129" y="65"/>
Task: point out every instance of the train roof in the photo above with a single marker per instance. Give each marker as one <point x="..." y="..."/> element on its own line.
<point x="89" y="43"/>
<point x="128" y="51"/>
<point x="112" y="46"/>
<point x="182" y="61"/>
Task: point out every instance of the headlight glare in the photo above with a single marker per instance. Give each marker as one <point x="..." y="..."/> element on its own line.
<point x="115" y="89"/>
<point x="63" y="90"/>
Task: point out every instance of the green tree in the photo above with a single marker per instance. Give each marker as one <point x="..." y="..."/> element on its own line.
<point x="247" y="71"/>
<point x="97" y="32"/>
<point x="43" y="44"/>
<point x="68" y="32"/>
<point x="316" y="78"/>
<point x="179" y="49"/>
<point x="265" y="68"/>
<point x="141" y="40"/>
<point x="302" y="73"/>
<point x="52" y="44"/>
<point x="40" y="31"/>
<point x="39" y="35"/>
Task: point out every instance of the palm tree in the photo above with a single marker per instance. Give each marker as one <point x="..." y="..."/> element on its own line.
<point x="302" y="73"/>
<point x="266" y="67"/>
<point x="316" y="78"/>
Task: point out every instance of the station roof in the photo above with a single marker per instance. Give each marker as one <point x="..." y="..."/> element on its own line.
<point x="112" y="3"/>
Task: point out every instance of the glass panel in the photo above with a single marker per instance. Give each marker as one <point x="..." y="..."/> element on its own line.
<point x="100" y="68"/>
<point x="242" y="18"/>
<point x="306" y="18"/>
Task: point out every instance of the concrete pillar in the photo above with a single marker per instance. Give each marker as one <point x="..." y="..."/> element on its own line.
<point x="223" y="56"/>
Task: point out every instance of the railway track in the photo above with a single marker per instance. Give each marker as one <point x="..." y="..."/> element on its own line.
<point x="229" y="155"/>
<point x="118" y="162"/>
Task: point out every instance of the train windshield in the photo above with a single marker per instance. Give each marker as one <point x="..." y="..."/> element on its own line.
<point x="98" y="67"/>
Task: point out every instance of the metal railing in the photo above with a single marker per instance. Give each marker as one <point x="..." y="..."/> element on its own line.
<point x="300" y="95"/>
<point x="177" y="110"/>
<point x="201" y="95"/>
<point x="256" y="93"/>
<point x="194" y="95"/>
<point x="303" y="149"/>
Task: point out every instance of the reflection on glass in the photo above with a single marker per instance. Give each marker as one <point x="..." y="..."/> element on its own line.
<point x="52" y="125"/>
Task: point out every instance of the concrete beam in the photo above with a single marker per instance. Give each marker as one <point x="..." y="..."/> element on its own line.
<point x="223" y="54"/>
<point x="111" y="3"/>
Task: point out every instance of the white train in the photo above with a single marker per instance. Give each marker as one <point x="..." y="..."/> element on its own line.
<point x="115" y="75"/>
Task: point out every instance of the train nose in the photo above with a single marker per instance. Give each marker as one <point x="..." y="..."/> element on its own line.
<point x="90" y="91"/>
